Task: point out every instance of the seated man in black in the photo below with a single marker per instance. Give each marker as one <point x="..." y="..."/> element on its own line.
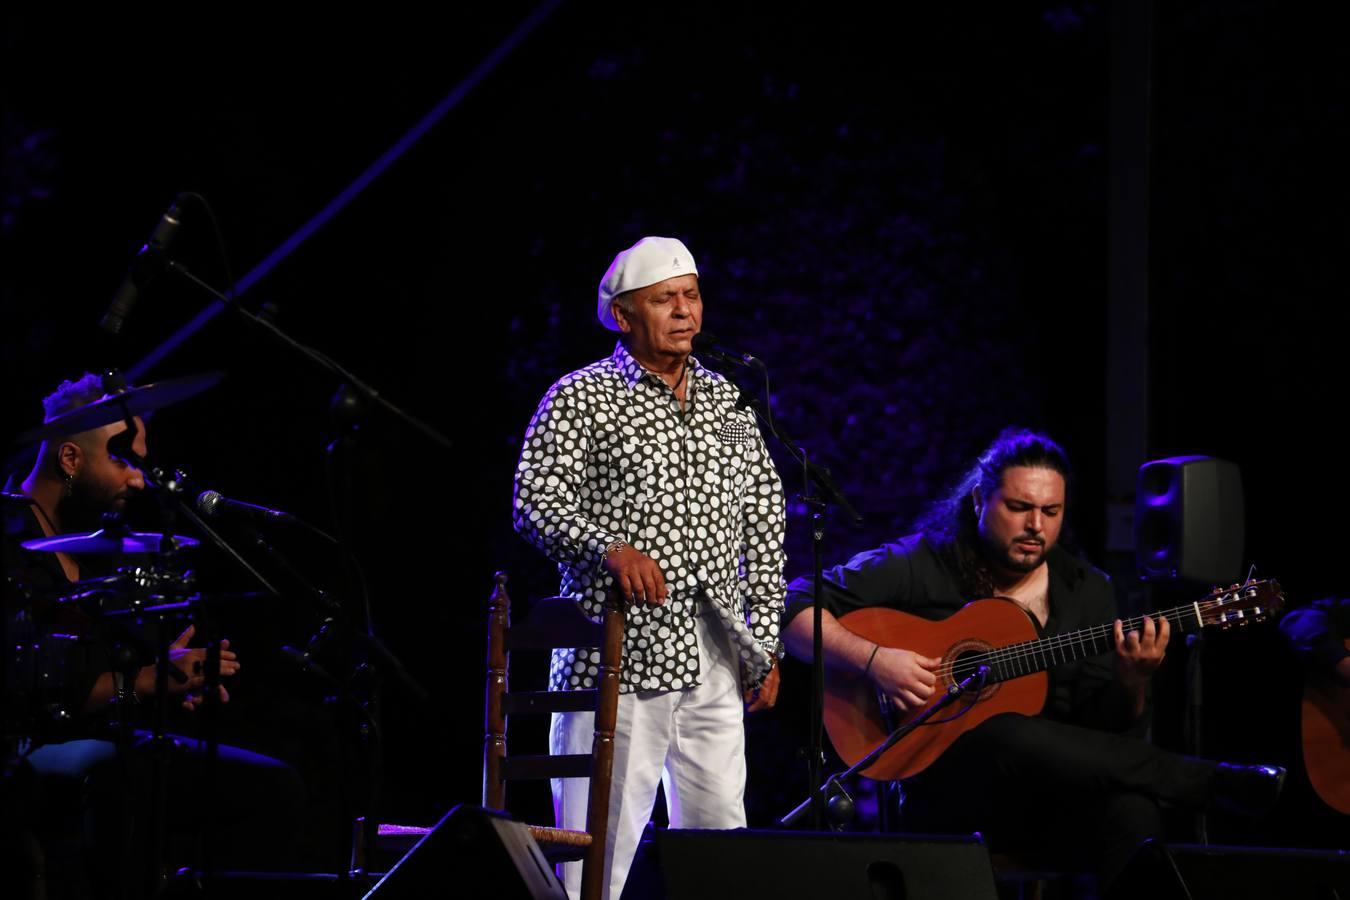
<point x="75" y="479"/>
<point x="1319" y="635"/>
<point x="1079" y="776"/>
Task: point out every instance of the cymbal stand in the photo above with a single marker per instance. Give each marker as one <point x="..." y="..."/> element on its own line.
<point x="129" y="652"/>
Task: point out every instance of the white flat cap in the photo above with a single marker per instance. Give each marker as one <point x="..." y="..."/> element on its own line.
<point x="650" y="260"/>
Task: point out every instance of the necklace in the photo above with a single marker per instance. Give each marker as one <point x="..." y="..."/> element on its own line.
<point x="676" y="386"/>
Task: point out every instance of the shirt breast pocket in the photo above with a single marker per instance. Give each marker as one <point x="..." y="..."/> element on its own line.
<point x="732" y="468"/>
<point x="634" y="470"/>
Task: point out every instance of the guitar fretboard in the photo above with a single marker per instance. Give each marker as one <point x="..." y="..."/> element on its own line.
<point x="1029" y="657"/>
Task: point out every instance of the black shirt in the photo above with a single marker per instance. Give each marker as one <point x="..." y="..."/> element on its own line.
<point x="51" y="660"/>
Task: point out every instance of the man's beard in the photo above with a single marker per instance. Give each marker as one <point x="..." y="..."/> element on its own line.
<point x="83" y="508"/>
<point x="1009" y="559"/>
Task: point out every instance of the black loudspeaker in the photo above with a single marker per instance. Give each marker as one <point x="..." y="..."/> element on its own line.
<point x="472" y="852"/>
<point x="1189" y="520"/>
<point x="734" y="865"/>
<point x="1199" y="872"/>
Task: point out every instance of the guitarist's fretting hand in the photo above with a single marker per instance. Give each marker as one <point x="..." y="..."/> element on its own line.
<point x="904" y="676"/>
<point x="1138" y="656"/>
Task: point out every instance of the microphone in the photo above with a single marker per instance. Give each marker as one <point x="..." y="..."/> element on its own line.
<point x="144" y="268"/>
<point x="976" y="681"/>
<point x="708" y="345"/>
<point x="213" y="505"/>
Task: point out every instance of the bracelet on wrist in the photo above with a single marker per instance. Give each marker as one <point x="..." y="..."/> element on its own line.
<point x="613" y="547"/>
<point x="867" y="668"/>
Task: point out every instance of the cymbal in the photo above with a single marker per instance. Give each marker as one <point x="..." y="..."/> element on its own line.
<point x="115" y="407"/>
<point x="102" y="541"/>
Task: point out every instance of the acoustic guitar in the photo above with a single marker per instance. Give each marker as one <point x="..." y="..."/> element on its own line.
<point x="1001" y="635"/>
<point x="1326" y="740"/>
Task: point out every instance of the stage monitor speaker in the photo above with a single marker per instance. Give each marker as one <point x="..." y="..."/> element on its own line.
<point x="1200" y="872"/>
<point x="733" y="865"/>
<point x="472" y="852"/>
<point x="1189" y="520"/>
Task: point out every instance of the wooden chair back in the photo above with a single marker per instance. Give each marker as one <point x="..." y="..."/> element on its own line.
<point x="551" y="623"/>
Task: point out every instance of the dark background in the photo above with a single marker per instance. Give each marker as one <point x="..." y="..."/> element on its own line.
<point x="906" y="215"/>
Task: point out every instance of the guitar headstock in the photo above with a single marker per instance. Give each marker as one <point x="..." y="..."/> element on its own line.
<point x="1254" y="601"/>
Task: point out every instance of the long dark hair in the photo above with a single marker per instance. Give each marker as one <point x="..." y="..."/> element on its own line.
<point x="950" y="524"/>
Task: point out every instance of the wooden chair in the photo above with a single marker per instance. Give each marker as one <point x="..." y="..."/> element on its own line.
<point x="555" y="622"/>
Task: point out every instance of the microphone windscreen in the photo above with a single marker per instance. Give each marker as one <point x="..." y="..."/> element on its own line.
<point x="208" y="503"/>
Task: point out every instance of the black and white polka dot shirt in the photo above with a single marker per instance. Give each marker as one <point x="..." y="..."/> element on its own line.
<point x="610" y="456"/>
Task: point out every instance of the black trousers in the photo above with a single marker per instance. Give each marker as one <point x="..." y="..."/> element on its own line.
<point x="1028" y="783"/>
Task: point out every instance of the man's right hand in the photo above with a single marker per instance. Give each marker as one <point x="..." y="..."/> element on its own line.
<point x="637" y="575"/>
<point x="189" y="661"/>
<point x="904" y="676"/>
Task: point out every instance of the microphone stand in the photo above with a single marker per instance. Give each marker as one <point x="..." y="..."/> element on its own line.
<point x="317" y="357"/>
<point x="348" y="411"/>
<point x="843" y="811"/>
<point x="820" y="491"/>
<point x="358" y="695"/>
<point x="368" y="396"/>
<point x="332" y="611"/>
<point x="170" y="487"/>
<point x="1193" y="719"/>
<point x="367" y="393"/>
<point x="353" y="400"/>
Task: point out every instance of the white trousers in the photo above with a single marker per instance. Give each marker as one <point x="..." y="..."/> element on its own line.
<point x="690" y="741"/>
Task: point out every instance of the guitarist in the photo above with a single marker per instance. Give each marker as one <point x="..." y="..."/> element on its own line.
<point x="1079" y="777"/>
<point x="1319" y="635"/>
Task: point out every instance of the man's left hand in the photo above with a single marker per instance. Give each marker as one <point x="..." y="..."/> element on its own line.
<point x="764" y="696"/>
<point x="1139" y="653"/>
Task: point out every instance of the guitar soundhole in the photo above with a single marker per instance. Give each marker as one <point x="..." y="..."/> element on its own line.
<point x="961" y="661"/>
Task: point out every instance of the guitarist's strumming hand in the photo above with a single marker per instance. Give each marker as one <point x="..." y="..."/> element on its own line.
<point x="904" y="676"/>
<point x="1138" y="655"/>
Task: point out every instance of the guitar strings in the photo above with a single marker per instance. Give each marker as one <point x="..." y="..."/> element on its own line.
<point x="1043" y="647"/>
<point x="1014" y="655"/>
<point x="1056" y="644"/>
<point x="1003" y="660"/>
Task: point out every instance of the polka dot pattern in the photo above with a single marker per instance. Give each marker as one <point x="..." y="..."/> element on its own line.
<point x="609" y="456"/>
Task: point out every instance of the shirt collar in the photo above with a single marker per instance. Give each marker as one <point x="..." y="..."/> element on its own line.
<point x="632" y="371"/>
<point x="1064" y="566"/>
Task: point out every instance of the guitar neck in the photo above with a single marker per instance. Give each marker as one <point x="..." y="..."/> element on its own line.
<point x="1029" y="657"/>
